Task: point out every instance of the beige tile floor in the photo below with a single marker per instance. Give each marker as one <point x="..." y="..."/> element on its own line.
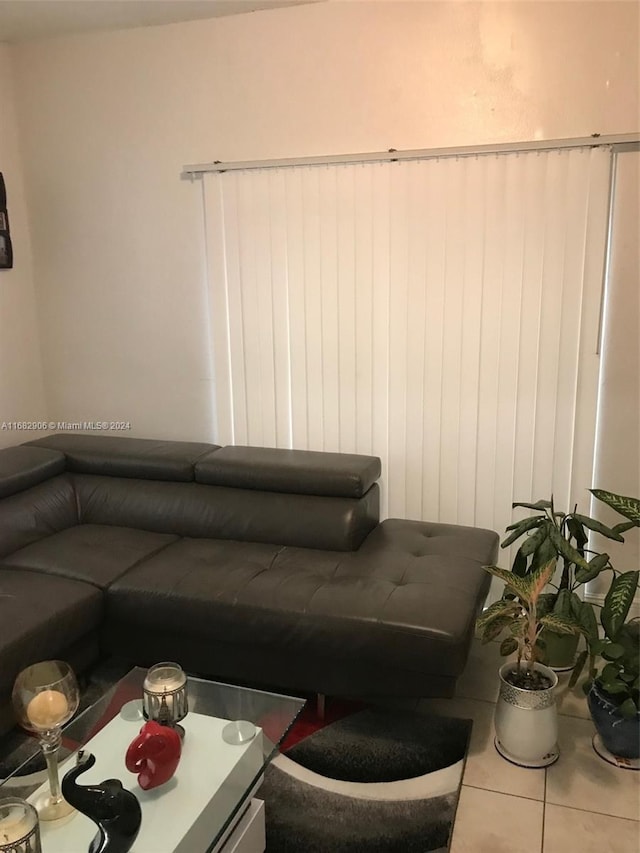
<point x="581" y="804"/>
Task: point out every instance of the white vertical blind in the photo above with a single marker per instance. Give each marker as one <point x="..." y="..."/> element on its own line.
<point x="617" y="467"/>
<point x="441" y="314"/>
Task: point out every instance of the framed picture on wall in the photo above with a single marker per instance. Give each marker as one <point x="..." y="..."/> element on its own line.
<point x="6" y="250"/>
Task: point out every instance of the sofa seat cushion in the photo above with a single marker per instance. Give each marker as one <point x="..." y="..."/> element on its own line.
<point x="392" y="606"/>
<point x="94" y="553"/>
<point x="41" y="617"/>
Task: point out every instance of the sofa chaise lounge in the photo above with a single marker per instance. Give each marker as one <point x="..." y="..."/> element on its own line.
<point x="248" y="564"/>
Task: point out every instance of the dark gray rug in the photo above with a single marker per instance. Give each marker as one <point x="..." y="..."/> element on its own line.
<point x="374" y="782"/>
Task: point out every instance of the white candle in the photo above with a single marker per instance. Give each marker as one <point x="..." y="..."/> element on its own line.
<point x="13" y="828"/>
<point x="166" y="686"/>
<point x="48" y="709"/>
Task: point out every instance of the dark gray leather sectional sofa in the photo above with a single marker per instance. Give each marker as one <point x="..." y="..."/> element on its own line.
<point x="247" y="564"/>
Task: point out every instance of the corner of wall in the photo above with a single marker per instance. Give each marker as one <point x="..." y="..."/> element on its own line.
<point x="22" y="395"/>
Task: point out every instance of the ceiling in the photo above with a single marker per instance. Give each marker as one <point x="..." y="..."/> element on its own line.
<point x="21" y="20"/>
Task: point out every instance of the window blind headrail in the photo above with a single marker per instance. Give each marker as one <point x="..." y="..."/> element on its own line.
<point x="390" y="156"/>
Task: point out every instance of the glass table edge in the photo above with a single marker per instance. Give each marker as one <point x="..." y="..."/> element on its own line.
<point x="244" y="801"/>
<point x="137" y="672"/>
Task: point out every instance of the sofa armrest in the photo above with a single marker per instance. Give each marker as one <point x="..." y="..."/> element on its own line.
<point x="22" y="467"/>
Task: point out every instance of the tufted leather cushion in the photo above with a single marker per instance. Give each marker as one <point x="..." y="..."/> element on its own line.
<point x="302" y="472"/>
<point x="119" y="456"/>
<point x="94" y="553"/>
<point x="407" y="601"/>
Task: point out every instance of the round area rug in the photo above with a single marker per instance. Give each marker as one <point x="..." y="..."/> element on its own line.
<point x="376" y="781"/>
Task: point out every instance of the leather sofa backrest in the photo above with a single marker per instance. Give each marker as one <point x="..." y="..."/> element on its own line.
<point x="34" y="513"/>
<point x="24" y="466"/>
<point x="120" y="456"/>
<point x="301" y="472"/>
<point x="200" y="510"/>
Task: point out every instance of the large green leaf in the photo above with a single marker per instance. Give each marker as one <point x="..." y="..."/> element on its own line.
<point x="533" y="542"/>
<point x="521" y="527"/>
<point x="519" y="566"/>
<point x="628" y="709"/>
<point x="495" y="610"/>
<point x="560" y="624"/>
<point x="609" y="673"/>
<point x="508" y="646"/>
<point x="612" y="651"/>
<point x="618" y="601"/>
<point x="576" y="606"/>
<point x="588" y="622"/>
<point x="576" y="529"/>
<point x="536" y="505"/>
<point x="614" y="687"/>
<point x="577" y="669"/>
<point x="494" y="628"/>
<point x="519" y="628"/>
<point x="517" y="585"/>
<point x="626" y="506"/>
<point x="598" y="527"/>
<point x="536" y="581"/>
<point x="623" y="526"/>
<point x="544" y="552"/>
<point x="565" y="549"/>
<point x="596" y="565"/>
<point x="562" y="605"/>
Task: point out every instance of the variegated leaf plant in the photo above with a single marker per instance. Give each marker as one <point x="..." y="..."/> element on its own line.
<point x="518" y="613"/>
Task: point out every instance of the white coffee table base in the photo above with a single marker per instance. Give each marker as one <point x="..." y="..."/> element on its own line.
<point x="248" y="835"/>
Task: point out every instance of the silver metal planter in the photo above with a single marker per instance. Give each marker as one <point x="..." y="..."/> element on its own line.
<point x="526" y="721"/>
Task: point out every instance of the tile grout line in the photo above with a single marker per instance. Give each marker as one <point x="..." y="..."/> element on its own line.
<point x="597" y="814"/>
<point x="504" y="793"/>
<point x="544" y="809"/>
<point x="545" y="803"/>
<point x="593" y="812"/>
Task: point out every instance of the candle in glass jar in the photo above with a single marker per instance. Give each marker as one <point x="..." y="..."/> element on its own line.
<point x="165" y="684"/>
<point x="48" y="709"/>
<point x="18" y="826"/>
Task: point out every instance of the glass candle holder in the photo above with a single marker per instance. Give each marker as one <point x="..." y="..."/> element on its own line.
<point x="164" y="695"/>
<point x="45" y="696"/>
<point x="19" y="828"/>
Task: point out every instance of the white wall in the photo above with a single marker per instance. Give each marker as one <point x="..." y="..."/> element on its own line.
<point x="21" y="389"/>
<point x="108" y="120"/>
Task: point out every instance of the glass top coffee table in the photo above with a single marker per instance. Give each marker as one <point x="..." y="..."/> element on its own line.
<point x="207" y="806"/>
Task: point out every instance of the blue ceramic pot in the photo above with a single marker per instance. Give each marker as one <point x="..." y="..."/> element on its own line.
<point x="620" y="736"/>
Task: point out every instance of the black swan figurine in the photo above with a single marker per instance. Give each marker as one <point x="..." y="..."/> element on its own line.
<point x="115" y="810"/>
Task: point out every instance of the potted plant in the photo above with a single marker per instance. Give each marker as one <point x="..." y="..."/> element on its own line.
<point x="550" y="534"/>
<point x="526" y="715"/>
<point x="613" y="687"/>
